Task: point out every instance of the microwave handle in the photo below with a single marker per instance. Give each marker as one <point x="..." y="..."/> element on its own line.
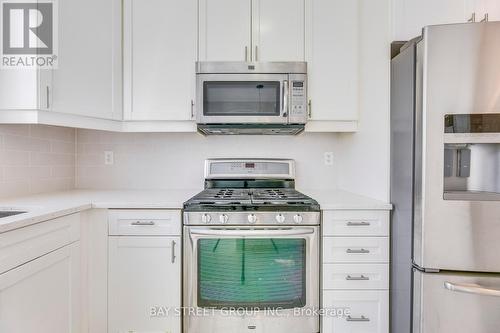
<point x="285" y="99"/>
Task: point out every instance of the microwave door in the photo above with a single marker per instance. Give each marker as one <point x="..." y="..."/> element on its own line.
<point x="242" y="98"/>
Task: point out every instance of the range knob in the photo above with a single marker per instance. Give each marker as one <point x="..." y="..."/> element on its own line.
<point x="252" y="218"/>
<point x="223" y="218"/>
<point x="297" y="218"/>
<point x="206" y="218"/>
<point x="280" y="218"/>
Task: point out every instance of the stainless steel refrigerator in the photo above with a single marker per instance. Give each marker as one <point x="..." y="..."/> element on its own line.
<point x="445" y="181"/>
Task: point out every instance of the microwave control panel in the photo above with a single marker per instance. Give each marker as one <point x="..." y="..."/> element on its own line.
<point x="298" y="100"/>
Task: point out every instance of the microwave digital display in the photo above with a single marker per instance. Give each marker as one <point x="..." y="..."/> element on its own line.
<point x="249" y="165"/>
<point x="298" y="84"/>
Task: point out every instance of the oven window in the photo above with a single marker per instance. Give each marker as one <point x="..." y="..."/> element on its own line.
<point x="237" y="98"/>
<point x="259" y="273"/>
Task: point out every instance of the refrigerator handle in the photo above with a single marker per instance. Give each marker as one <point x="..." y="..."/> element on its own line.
<point x="471" y="289"/>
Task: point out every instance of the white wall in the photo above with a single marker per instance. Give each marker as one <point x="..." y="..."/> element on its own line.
<point x="35" y="159"/>
<point x="364" y="156"/>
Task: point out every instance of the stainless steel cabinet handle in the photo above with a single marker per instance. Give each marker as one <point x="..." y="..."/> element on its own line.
<point x="357" y="251"/>
<point x="362" y="318"/>
<point x="256" y="53"/>
<point x="47" y="90"/>
<point x="192" y="109"/>
<point x="357" y="278"/>
<point x="143" y="223"/>
<point x="358" y="224"/>
<point x="472" y="18"/>
<point x="173" y="251"/>
<point x="486" y="18"/>
<point x="472" y="289"/>
<point x="309" y="104"/>
<point x="246" y="53"/>
<point x="285" y="99"/>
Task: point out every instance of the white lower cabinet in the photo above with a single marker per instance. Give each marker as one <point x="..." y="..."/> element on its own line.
<point x="366" y="311"/>
<point x="43" y="295"/>
<point x="144" y="278"/>
<point x="355" y="271"/>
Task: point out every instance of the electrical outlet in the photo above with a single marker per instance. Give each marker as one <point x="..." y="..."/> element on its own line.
<point x="109" y="158"/>
<point x="328" y="158"/>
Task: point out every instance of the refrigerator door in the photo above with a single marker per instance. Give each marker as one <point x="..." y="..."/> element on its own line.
<point x="452" y="302"/>
<point x="457" y="72"/>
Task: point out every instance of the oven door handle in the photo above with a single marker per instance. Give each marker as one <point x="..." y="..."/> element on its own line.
<point x="251" y="232"/>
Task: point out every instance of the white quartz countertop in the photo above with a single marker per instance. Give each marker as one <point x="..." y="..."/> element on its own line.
<point x="48" y="206"/>
<point x="343" y="200"/>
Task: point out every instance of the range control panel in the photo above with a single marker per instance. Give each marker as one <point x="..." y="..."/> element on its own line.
<point x="249" y="168"/>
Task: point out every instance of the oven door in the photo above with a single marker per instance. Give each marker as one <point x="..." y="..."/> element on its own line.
<point x="242" y="98"/>
<point x="260" y="279"/>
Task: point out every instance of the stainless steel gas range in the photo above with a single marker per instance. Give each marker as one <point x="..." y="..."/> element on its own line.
<point x="251" y="251"/>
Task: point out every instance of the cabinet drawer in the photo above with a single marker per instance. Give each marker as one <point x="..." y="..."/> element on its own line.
<point x="144" y="222"/>
<point x="355" y="249"/>
<point x="25" y="244"/>
<point x="355" y="223"/>
<point x="356" y="276"/>
<point x="366" y="311"/>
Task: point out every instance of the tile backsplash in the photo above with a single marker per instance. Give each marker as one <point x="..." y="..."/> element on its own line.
<point x="176" y="160"/>
<point x="36" y="159"/>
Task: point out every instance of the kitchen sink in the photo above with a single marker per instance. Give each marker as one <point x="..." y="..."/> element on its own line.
<point x="6" y="213"/>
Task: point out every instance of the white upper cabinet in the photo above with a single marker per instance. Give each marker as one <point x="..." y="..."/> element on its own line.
<point x="87" y="81"/>
<point x="257" y="30"/>
<point x="225" y="33"/>
<point x="490" y="7"/>
<point x="410" y="16"/>
<point x="278" y="30"/>
<point x="159" y="58"/>
<point x="18" y="89"/>
<point x="333" y="59"/>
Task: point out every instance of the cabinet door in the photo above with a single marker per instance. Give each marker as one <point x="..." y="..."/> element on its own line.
<point x="410" y="16"/>
<point x="144" y="272"/>
<point x="225" y="30"/>
<point x="278" y="30"/>
<point x="368" y="311"/>
<point x="333" y="64"/>
<point x="87" y="81"/>
<point x="490" y="7"/>
<point x="43" y="295"/>
<point x="18" y="89"/>
<point x="160" y="56"/>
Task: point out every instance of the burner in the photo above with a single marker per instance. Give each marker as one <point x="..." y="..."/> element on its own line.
<point x="248" y="186"/>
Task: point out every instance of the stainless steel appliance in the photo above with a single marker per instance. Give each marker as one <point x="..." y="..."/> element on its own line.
<point x="251" y="251"/>
<point x="445" y="181"/>
<point x="251" y="98"/>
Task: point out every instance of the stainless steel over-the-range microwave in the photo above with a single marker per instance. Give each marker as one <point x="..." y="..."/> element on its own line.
<point x="251" y="98"/>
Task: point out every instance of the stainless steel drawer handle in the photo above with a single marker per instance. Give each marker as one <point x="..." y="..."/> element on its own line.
<point x="471" y="288"/>
<point x="362" y="318"/>
<point x="357" y="251"/>
<point x="358" y="224"/>
<point x="143" y="223"/>
<point x="357" y="278"/>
